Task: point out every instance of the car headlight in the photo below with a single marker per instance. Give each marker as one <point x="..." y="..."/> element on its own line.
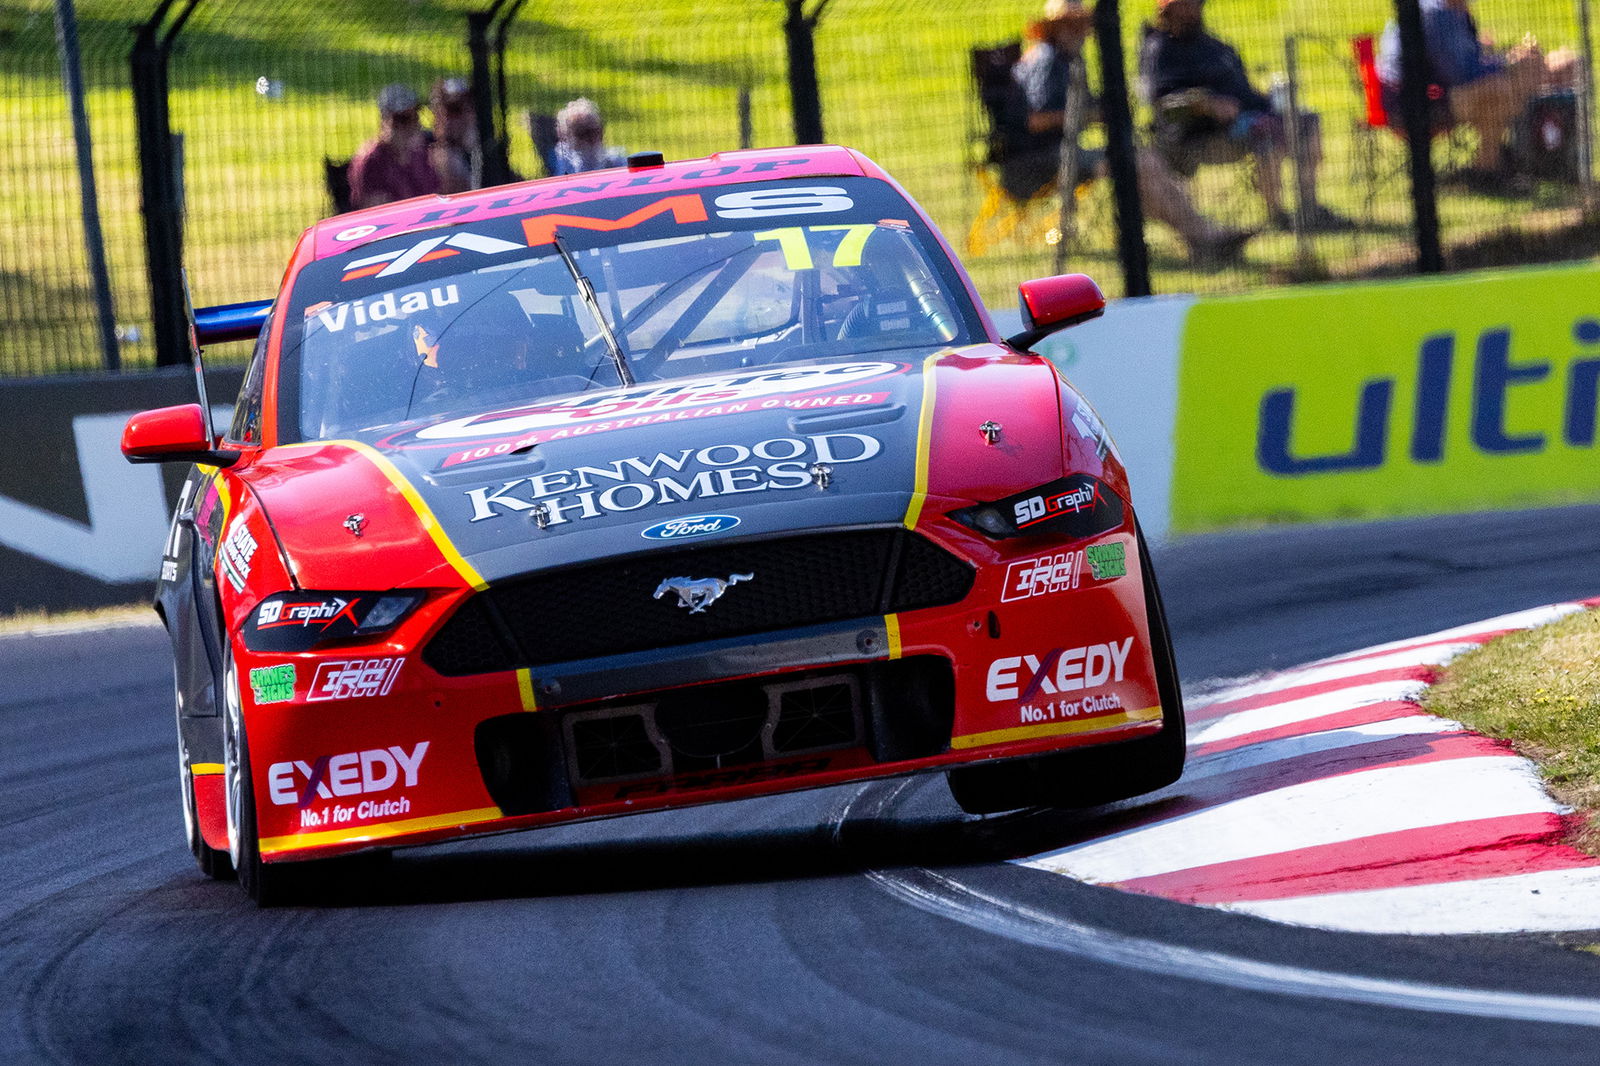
<point x="1077" y="507"/>
<point x="300" y="621"/>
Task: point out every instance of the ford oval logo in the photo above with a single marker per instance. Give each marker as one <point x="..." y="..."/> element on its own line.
<point x="700" y="525"/>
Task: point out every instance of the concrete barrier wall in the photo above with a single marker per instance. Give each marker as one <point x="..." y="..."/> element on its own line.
<point x="1465" y="393"/>
<point x="79" y="526"/>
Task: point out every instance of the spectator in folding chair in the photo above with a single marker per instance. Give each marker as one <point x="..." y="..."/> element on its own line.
<point x="1056" y="86"/>
<point x="1206" y="111"/>
<point x="1482" y="88"/>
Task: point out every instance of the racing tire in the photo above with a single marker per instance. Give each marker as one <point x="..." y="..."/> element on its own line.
<point x="244" y="845"/>
<point x="1089" y="777"/>
<point x="213" y="862"/>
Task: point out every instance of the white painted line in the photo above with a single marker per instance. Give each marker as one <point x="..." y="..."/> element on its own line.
<point x="1330" y="811"/>
<point x="1313" y="675"/>
<point x="948" y="897"/>
<point x="1535" y="616"/>
<point x="1547" y="901"/>
<point x="1274" y="715"/>
<point x="1287" y="748"/>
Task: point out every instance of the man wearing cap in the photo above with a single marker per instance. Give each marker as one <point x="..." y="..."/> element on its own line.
<point x="1207" y="111"/>
<point x="394" y="165"/>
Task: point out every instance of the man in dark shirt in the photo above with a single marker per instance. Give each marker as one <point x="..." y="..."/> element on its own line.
<point x="1052" y="78"/>
<point x="1207" y="111"/>
<point x="394" y="165"/>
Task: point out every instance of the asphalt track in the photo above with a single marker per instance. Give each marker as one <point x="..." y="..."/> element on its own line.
<point x="849" y="925"/>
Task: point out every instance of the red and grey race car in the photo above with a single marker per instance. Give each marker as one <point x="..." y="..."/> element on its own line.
<point x="638" y="489"/>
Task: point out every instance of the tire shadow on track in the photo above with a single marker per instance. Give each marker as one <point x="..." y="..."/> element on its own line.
<point x="530" y="870"/>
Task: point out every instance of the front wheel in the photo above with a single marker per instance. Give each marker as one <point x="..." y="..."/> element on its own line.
<point x="215" y="863"/>
<point x="272" y="884"/>
<point x="1089" y="777"/>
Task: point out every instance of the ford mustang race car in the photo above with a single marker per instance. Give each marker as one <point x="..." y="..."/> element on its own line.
<point x="649" y="487"/>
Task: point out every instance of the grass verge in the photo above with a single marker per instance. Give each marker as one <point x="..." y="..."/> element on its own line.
<point x="1539" y="689"/>
<point x="46" y="622"/>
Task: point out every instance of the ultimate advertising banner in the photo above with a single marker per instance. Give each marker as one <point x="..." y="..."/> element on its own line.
<point x="1465" y="393"/>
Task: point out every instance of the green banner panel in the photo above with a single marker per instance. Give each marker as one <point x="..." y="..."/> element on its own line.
<point x="1475" y="392"/>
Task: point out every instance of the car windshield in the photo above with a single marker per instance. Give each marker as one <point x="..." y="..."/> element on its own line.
<point x="492" y="314"/>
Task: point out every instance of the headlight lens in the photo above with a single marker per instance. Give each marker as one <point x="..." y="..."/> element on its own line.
<point x="300" y="621"/>
<point x="1079" y="506"/>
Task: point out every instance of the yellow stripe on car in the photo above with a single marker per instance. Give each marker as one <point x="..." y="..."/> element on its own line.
<point x="1054" y="729"/>
<point x="425" y="515"/>
<point x="919" y="491"/>
<point x="380" y="831"/>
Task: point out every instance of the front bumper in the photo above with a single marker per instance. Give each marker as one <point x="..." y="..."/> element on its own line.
<point x="374" y="748"/>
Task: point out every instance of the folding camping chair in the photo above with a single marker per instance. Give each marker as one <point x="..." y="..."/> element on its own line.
<point x="1017" y="184"/>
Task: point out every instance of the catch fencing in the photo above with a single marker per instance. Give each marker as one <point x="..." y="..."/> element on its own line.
<point x="222" y="142"/>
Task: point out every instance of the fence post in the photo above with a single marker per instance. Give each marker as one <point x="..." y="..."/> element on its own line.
<point x="158" y="183"/>
<point x="805" y="97"/>
<point x="1416" y="111"/>
<point x="483" y="91"/>
<point x="89" y="196"/>
<point x="1121" y="154"/>
<point x="502" y="148"/>
<point x="1586" y="109"/>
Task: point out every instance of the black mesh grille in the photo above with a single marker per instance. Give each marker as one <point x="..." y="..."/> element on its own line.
<point x="612" y="608"/>
<point x="820" y="716"/>
<point x="613" y="747"/>
<point x="926" y="578"/>
<point x="469" y="642"/>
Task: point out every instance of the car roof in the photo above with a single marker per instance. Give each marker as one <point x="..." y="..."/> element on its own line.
<point x="341" y="233"/>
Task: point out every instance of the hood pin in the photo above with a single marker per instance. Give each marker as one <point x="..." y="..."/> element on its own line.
<point x="355" y="524"/>
<point x="541" y="516"/>
<point x="821" y="475"/>
<point x="991" y="431"/>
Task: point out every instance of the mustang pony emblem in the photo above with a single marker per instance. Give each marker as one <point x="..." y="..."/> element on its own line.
<point x="698" y="593"/>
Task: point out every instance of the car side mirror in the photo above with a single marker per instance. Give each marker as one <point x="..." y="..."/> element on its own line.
<point x="1051" y="304"/>
<point x="172" y="435"/>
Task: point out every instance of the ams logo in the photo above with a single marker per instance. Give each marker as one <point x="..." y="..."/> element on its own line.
<point x="541" y="229"/>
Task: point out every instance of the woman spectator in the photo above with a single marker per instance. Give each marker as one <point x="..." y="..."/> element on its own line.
<point x="580" y="140"/>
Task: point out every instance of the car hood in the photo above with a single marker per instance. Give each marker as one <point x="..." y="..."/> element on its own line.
<point x="763" y="451"/>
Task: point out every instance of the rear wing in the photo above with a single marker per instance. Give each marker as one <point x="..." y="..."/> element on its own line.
<point x="230" y="322"/>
